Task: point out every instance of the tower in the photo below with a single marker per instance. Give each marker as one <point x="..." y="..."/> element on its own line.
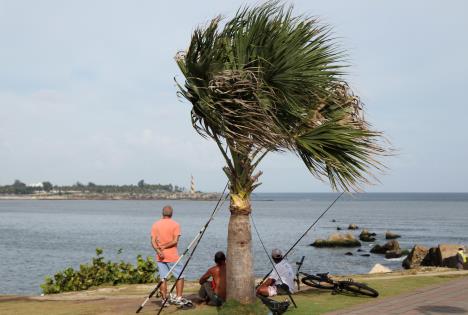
<point x="192" y="185"/>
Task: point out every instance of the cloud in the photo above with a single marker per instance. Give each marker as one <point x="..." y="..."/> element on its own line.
<point x="87" y="92"/>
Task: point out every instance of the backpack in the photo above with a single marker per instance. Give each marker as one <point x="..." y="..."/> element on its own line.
<point x="276" y="308"/>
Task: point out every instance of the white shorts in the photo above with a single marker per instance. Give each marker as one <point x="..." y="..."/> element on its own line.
<point x="272" y="290"/>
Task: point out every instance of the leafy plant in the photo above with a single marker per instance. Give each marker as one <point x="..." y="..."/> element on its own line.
<point x="100" y="272"/>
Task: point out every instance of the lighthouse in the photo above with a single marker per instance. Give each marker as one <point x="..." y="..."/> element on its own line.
<point x="192" y="185"/>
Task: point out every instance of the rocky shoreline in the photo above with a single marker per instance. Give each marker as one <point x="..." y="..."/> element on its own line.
<point x="121" y="196"/>
<point x="443" y="255"/>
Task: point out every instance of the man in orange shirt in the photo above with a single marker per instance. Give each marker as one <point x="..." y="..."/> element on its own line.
<point x="165" y="235"/>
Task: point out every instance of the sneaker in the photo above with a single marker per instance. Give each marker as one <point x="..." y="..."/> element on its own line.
<point x="172" y="299"/>
<point x="179" y="301"/>
<point x="165" y="304"/>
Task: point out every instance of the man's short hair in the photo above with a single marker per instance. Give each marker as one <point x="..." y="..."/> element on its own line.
<point x="167" y="211"/>
<point x="219" y="257"/>
<point x="461" y="248"/>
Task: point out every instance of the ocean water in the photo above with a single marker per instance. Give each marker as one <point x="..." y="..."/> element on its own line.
<point x="39" y="238"/>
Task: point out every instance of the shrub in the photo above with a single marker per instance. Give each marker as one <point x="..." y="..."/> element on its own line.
<point x="100" y="272"/>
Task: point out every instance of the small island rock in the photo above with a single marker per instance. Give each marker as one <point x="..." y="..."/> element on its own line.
<point x="338" y="240"/>
<point x="391" y="236"/>
<point x="392" y="245"/>
<point x="353" y="226"/>
<point x="389" y="254"/>
<point x="366" y="236"/>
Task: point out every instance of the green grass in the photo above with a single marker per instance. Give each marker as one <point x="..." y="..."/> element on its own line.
<point x="311" y="301"/>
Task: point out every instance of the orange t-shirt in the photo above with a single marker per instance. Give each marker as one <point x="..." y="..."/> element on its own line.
<point x="165" y="230"/>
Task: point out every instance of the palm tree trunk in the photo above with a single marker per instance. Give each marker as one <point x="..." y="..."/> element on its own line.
<point x="240" y="278"/>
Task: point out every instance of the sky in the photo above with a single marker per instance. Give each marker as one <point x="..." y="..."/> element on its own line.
<point x="87" y="92"/>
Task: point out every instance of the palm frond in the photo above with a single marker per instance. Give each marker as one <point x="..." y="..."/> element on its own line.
<point x="271" y="81"/>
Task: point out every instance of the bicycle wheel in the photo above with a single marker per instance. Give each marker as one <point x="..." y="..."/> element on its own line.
<point x="317" y="282"/>
<point x="358" y="288"/>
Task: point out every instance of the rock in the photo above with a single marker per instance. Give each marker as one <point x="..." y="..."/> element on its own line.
<point x="337" y="240"/>
<point x="389" y="254"/>
<point x="365" y="255"/>
<point x="391" y="236"/>
<point x="333" y="220"/>
<point x="392" y="245"/>
<point x="415" y="257"/>
<point x="353" y="226"/>
<point x="338" y="228"/>
<point x="366" y="236"/>
<point x="349" y="254"/>
<point x="366" y="231"/>
<point x="360" y="250"/>
<point x="378" y="268"/>
<point x="431" y="258"/>
<point x="446" y="255"/>
<point x="405" y="252"/>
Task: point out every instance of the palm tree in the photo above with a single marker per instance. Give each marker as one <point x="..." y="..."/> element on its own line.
<point x="269" y="81"/>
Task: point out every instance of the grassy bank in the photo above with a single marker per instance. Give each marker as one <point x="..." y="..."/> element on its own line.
<point x="125" y="299"/>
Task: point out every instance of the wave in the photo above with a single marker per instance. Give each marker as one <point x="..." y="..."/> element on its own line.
<point x="396" y="259"/>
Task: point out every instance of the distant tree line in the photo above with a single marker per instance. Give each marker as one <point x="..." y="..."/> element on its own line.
<point x="20" y="188"/>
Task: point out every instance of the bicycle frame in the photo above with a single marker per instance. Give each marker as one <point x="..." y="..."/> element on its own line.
<point x="299" y="266"/>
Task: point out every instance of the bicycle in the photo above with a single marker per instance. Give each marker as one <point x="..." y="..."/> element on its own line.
<point x="323" y="281"/>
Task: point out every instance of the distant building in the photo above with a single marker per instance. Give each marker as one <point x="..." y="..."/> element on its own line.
<point x="38" y="185"/>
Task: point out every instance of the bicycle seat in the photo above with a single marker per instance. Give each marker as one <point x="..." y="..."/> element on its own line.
<point x="325" y="274"/>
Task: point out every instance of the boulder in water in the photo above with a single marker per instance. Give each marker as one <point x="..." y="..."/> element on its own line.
<point x="392" y="245"/>
<point x="366" y="236"/>
<point x="353" y="226"/>
<point x="337" y="240"/>
<point x="389" y="254"/>
<point x="415" y="257"/>
<point x="338" y="228"/>
<point x="349" y="254"/>
<point x="365" y="255"/>
<point x="391" y="236"/>
<point x="378" y="268"/>
<point x="333" y="220"/>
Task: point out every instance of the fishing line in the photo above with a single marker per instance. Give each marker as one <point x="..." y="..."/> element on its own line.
<point x="197" y="237"/>
<point x="271" y="261"/>
<point x="202" y="232"/>
<point x="305" y="233"/>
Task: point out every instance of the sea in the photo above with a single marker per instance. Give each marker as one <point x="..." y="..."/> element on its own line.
<point x="41" y="237"/>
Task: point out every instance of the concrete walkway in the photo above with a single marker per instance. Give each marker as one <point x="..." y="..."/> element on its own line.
<point x="447" y="298"/>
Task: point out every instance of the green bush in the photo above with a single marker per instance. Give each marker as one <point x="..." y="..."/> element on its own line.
<point x="101" y="272"/>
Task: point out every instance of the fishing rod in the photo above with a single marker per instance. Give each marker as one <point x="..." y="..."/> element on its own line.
<point x="271" y="261"/>
<point x="190" y="256"/>
<point x="304" y="234"/>
<point x="197" y="237"/>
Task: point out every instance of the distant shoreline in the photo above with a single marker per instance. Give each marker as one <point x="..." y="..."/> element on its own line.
<point x="94" y="196"/>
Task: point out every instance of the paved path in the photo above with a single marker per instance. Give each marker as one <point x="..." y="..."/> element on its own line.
<point x="447" y="298"/>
